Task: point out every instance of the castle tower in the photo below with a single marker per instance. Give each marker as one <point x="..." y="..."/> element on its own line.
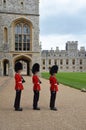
<point x="19" y="34"/>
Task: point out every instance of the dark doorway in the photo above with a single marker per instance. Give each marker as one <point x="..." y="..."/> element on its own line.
<point x="26" y="66"/>
<point x="5" y="67"/>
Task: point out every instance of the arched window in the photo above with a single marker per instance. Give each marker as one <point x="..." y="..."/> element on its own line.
<point x="22" y="37"/>
<point x="5" y="35"/>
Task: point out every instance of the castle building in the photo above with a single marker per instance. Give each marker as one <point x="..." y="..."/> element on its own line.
<point x="19" y="34"/>
<point x="19" y="41"/>
<point x="69" y="60"/>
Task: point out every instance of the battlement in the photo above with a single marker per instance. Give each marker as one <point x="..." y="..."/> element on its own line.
<point x="72" y="45"/>
<point x="70" y="51"/>
<point x="82" y="48"/>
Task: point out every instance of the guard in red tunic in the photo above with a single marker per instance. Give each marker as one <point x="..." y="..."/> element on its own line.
<point x="18" y="86"/>
<point x="53" y="86"/>
<point x="36" y="86"/>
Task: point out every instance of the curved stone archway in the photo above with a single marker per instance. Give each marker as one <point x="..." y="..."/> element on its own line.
<point x="22" y="19"/>
<point x="27" y="63"/>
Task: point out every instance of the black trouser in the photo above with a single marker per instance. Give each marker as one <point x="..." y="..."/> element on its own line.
<point x="52" y="99"/>
<point x="36" y="98"/>
<point x="17" y="99"/>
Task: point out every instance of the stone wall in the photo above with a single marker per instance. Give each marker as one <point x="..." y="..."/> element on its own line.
<point x="20" y="6"/>
<point x="10" y="12"/>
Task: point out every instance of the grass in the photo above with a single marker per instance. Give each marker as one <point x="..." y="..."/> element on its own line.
<point x="73" y="79"/>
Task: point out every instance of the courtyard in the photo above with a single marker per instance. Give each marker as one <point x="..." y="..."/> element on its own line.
<point x="71" y="103"/>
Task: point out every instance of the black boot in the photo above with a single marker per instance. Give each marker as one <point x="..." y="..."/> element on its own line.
<point x="53" y="109"/>
<point x="18" y="109"/>
<point x="37" y="108"/>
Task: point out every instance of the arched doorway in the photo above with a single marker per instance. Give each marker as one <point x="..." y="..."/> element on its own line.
<point x="5" y="67"/>
<point x="26" y="62"/>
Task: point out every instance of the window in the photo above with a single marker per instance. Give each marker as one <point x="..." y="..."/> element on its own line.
<point x="49" y="68"/>
<point x="49" y="61"/>
<point x="43" y="61"/>
<point x="22" y="3"/>
<point x="22" y="37"/>
<point x="67" y="67"/>
<point x="81" y="68"/>
<point x="5" y="35"/>
<point x="80" y="61"/>
<point x="61" y="62"/>
<point x="67" y="61"/>
<point x="61" y="67"/>
<point x="73" y="61"/>
<point x="4" y="3"/>
<point x="55" y="62"/>
<point x="43" y="68"/>
<point x="73" y="67"/>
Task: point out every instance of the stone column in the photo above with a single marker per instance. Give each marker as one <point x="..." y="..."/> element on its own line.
<point x="11" y="68"/>
<point x="64" y="64"/>
<point x="1" y="68"/>
<point x="30" y="64"/>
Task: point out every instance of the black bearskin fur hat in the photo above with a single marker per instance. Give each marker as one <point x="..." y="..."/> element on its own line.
<point x="35" y="68"/>
<point x="54" y="69"/>
<point x="18" y="66"/>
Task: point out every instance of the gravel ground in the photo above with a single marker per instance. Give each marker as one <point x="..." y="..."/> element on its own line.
<point x="71" y="103"/>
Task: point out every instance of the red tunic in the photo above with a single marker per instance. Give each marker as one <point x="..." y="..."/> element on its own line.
<point x="18" y="82"/>
<point x="54" y="83"/>
<point x="36" y="83"/>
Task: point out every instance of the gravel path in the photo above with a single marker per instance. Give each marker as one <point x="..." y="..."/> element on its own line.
<point x="71" y="114"/>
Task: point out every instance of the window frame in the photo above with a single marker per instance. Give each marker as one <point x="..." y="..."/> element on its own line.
<point x="22" y="34"/>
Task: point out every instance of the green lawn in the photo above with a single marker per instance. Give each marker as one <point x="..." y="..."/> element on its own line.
<point x="75" y="80"/>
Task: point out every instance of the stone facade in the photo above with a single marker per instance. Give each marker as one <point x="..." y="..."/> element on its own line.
<point x="14" y="12"/>
<point x="69" y="60"/>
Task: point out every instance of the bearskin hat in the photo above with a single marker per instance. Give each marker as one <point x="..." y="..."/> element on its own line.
<point x="18" y="66"/>
<point x="54" y="69"/>
<point x="35" y="68"/>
